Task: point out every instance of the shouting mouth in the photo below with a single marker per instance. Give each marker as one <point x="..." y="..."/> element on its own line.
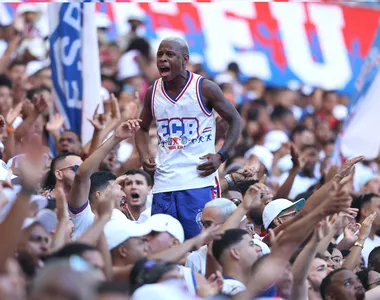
<point x="164" y="71"/>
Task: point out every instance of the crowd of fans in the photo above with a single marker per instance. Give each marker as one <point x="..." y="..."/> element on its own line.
<point x="76" y="220"/>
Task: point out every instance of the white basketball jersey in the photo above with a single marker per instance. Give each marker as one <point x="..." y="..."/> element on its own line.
<point x="186" y="131"/>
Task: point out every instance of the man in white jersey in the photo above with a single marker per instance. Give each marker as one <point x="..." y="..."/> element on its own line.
<point x="186" y="165"/>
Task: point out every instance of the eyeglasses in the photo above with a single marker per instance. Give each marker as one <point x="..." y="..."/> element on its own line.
<point x="293" y="213"/>
<point x="74" y="168"/>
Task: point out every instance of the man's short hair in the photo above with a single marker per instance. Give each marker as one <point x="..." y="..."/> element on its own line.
<point x="360" y="201"/>
<point x="72" y="249"/>
<point x="99" y="181"/>
<point x="50" y="179"/>
<point x="279" y="112"/>
<point x="15" y="63"/>
<point x="76" y="134"/>
<point x="148" y="178"/>
<point x="327" y="281"/>
<point x="230" y="238"/>
<point x="374" y="259"/>
<point x="5" y="81"/>
<point x="226" y="207"/>
<point x="112" y="287"/>
<point x="363" y="277"/>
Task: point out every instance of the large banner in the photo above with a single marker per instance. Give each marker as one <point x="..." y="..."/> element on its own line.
<point x="360" y="134"/>
<point x="284" y="43"/>
<point x="75" y="64"/>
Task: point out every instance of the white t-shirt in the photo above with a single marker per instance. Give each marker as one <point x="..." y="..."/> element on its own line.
<point x="232" y="287"/>
<point x="368" y="246"/>
<point x="301" y="184"/>
<point x="83" y="218"/>
<point x="167" y="290"/>
<point x="189" y="277"/>
<point x="197" y="260"/>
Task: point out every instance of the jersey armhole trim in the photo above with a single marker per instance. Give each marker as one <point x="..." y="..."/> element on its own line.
<point x="78" y="210"/>
<point x="198" y="89"/>
<point x="152" y="98"/>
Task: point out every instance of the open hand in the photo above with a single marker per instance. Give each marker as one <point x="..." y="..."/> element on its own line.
<point x="211" y="165"/>
<point x="55" y="123"/>
<point x="13" y="114"/>
<point x="212" y="287"/>
<point x="99" y="121"/>
<point x="366" y="227"/>
<point x="210" y="234"/>
<point x="127" y="129"/>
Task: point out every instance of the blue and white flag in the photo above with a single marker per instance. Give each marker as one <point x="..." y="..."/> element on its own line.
<point x="360" y="133"/>
<point x="75" y="64"/>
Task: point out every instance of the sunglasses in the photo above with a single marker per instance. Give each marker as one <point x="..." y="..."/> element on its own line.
<point x="74" y="168"/>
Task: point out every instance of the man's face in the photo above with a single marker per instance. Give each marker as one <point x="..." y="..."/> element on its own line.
<point x="329" y="261"/>
<point x="95" y="259"/>
<point x="39" y="239"/>
<point x="285" y="283"/>
<point x="318" y="271"/>
<point x="337" y="258"/>
<point x="323" y="132"/>
<point x="5" y="99"/>
<point x="311" y="158"/>
<point x="136" y="190"/>
<point x="329" y="102"/>
<point x="170" y="60"/>
<point x="109" y="163"/>
<point x="211" y="216"/>
<point x="69" y="142"/>
<point x="64" y="170"/>
<point x="18" y="71"/>
<point x="160" y="241"/>
<point x="137" y="248"/>
<point x="373" y="279"/>
<point x="43" y="78"/>
<point x="345" y="285"/>
<point x="373" y="186"/>
<point x="286" y="215"/>
<point x="247" y="251"/>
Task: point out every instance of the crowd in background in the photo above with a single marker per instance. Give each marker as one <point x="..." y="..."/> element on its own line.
<point x="288" y="217"/>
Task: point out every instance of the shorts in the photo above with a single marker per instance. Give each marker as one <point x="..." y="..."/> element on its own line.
<point x="186" y="206"/>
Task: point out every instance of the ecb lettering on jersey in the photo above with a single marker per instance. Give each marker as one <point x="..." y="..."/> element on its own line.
<point x="186" y="131"/>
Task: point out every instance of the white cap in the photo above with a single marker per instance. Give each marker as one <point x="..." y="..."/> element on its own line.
<point x="340" y="112"/>
<point x="137" y="15"/>
<point x="127" y="65"/>
<point x="11" y="195"/>
<point x="285" y="163"/>
<point x="46" y="218"/>
<point x="28" y="7"/>
<point x="102" y="20"/>
<point x="274" y="208"/>
<point x="36" y="47"/>
<point x="264" y="247"/>
<point x="119" y="229"/>
<point x="166" y="223"/>
<point x="263" y="154"/>
<point x="35" y="66"/>
<point x="223" y="78"/>
<point x="274" y="140"/>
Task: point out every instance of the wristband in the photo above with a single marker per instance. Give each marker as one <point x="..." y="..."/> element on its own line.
<point x="10" y="129"/>
<point x="230" y="181"/>
<point x="224" y="155"/>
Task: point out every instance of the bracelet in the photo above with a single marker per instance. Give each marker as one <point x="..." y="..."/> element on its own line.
<point x="359" y="245"/>
<point x="229" y="180"/>
<point x="10" y="129"/>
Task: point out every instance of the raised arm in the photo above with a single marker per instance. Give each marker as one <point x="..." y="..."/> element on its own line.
<point x="81" y="187"/>
<point x="215" y="99"/>
<point x="142" y="136"/>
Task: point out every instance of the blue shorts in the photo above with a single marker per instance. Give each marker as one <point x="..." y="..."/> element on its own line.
<point x="186" y="206"/>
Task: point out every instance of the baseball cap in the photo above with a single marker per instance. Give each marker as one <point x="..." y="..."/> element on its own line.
<point x="11" y="195"/>
<point x="119" y="229"/>
<point x="263" y="154"/>
<point x="166" y="223"/>
<point x="274" y="208"/>
<point x="274" y="140"/>
<point x="45" y="217"/>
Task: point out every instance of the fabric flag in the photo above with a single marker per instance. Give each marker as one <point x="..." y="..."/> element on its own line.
<point x="75" y="64"/>
<point x="360" y="133"/>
